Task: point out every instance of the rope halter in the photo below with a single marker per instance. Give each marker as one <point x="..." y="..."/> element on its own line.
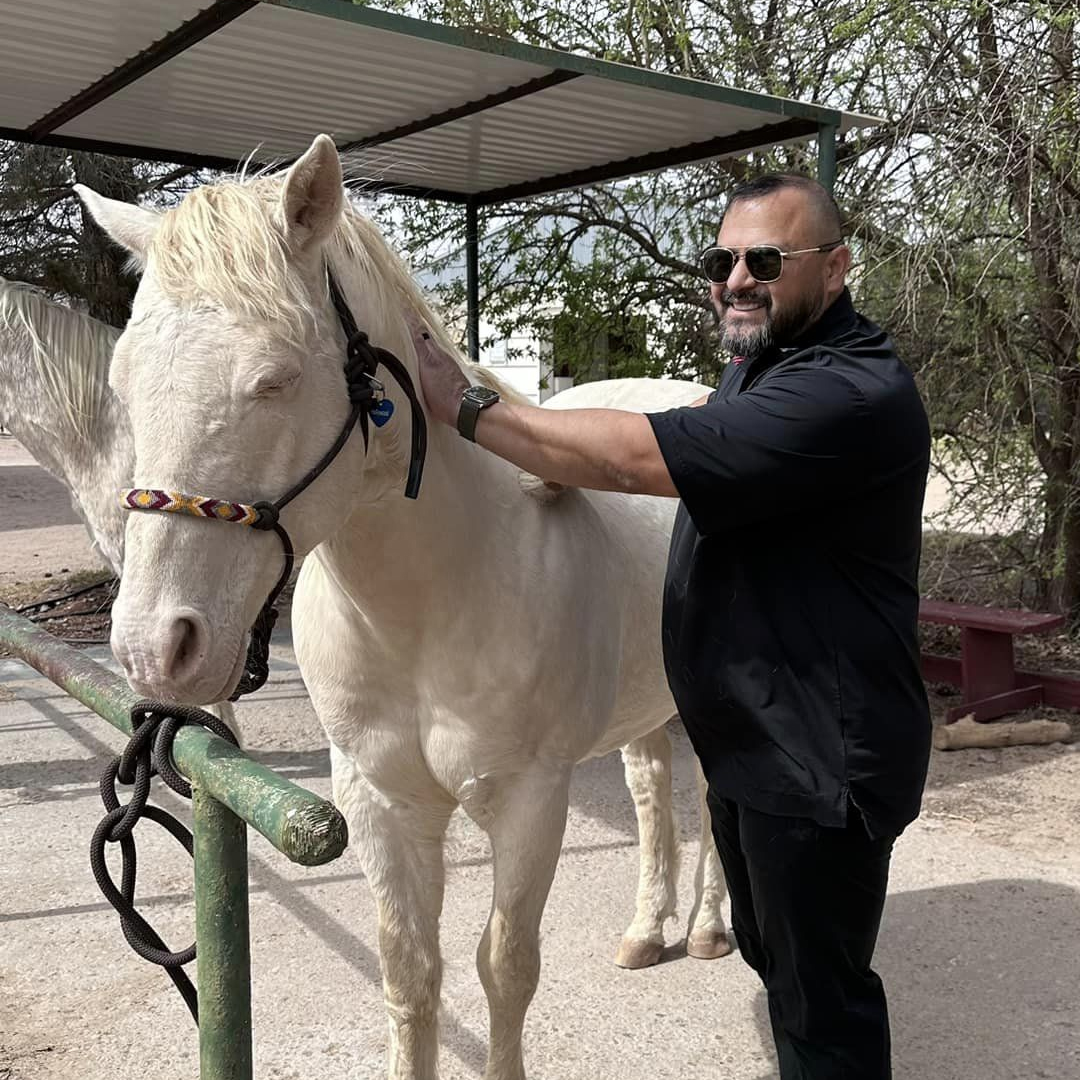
<point x="366" y="393"/>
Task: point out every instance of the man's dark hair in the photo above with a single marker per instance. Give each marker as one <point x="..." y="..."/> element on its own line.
<point x="769" y="183"/>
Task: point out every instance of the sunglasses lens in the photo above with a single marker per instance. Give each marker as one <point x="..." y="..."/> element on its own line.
<point x="764" y="263"/>
<point x="717" y="264"/>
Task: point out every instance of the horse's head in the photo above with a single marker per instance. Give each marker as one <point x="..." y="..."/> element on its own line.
<point x="232" y="371"/>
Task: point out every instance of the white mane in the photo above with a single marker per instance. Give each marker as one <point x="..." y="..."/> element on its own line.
<point x="226" y="242"/>
<point x="70" y="350"/>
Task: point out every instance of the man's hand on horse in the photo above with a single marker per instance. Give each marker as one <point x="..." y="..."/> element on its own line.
<point x="441" y="377"/>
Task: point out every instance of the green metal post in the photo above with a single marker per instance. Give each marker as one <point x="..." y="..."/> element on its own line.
<point x="300" y="824"/>
<point x="228" y="789"/>
<point x="827" y="155"/>
<point x="472" y="278"/>
<point x="221" y="929"/>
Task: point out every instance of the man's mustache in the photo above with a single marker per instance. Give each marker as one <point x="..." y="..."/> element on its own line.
<point x="728" y="297"/>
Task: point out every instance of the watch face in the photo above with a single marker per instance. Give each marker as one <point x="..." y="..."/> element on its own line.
<point x="482" y="395"/>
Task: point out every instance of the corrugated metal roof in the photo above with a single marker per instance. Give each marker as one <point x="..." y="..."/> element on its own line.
<point x="433" y="109"/>
<point x="561" y="130"/>
<point x="52" y="49"/>
<point x="270" y="81"/>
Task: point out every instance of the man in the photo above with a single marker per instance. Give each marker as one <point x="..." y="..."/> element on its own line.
<point x="790" y="606"/>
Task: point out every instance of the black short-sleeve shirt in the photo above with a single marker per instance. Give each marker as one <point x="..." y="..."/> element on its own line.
<point x="791" y="599"/>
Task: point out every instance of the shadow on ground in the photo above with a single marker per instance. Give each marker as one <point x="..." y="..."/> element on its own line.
<point x="983" y="982"/>
<point x="32" y="499"/>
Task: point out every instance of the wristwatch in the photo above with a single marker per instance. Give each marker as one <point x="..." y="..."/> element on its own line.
<point x="473" y="401"/>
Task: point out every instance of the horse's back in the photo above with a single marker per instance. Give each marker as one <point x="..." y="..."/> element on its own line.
<point x="630" y="395"/>
<point x="633" y="395"/>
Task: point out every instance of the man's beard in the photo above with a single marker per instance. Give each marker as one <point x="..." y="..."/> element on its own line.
<point x="782" y="330"/>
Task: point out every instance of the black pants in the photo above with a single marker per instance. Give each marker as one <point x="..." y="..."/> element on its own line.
<point x="806" y="905"/>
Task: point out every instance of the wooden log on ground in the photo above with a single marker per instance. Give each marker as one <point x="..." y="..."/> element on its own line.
<point x="967" y="733"/>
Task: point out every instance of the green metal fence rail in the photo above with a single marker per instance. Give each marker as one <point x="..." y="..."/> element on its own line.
<point x="229" y="789"/>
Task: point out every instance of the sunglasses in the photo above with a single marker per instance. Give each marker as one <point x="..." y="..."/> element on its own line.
<point x="764" y="263"/>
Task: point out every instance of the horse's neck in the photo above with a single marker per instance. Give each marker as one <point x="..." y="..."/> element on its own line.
<point x="396" y="544"/>
<point x="390" y="546"/>
<point x="93" y="462"/>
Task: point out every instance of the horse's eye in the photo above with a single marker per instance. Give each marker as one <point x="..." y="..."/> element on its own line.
<point x="270" y="383"/>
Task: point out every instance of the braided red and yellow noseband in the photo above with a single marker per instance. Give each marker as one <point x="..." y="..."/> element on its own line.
<point x="176" y="502"/>
<point x="262" y="516"/>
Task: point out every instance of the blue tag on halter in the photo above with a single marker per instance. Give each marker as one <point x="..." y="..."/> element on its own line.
<point x="382" y="412"/>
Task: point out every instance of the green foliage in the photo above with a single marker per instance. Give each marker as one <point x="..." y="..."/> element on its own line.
<point x="963" y="210"/>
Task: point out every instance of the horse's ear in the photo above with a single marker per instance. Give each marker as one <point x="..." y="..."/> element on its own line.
<point x="131" y="226"/>
<point x="311" y="198"/>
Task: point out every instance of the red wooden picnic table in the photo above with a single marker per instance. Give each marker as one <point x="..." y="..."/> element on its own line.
<point x="989" y="682"/>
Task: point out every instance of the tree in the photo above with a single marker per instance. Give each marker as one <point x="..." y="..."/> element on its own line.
<point x="995" y="242"/>
<point x="48" y="240"/>
<point x="962" y="208"/>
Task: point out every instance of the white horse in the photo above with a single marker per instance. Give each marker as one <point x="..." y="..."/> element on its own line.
<point x="56" y="400"/>
<point x="463" y="649"/>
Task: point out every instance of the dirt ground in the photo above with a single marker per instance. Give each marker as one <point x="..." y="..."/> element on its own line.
<point x="41" y="537"/>
<point x="1015" y="811"/>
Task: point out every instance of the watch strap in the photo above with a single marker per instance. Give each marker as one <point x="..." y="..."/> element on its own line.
<point x="469" y="411"/>
<point x="468" y="414"/>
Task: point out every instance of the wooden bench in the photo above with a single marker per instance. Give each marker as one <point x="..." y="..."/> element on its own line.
<point x="986" y="671"/>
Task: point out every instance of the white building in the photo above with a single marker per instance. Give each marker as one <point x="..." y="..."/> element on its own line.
<point x="522" y="360"/>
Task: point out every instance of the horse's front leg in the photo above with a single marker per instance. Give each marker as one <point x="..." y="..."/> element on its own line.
<point x="647" y="765"/>
<point x="400" y="849"/>
<point x="707" y="937"/>
<point x="525" y="817"/>
<point x="225" y="712"/>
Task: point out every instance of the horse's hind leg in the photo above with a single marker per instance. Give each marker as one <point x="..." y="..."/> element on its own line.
<point x="647" y="764"/>
<point x="707" y="937"/>
<point x="525" y="818"/>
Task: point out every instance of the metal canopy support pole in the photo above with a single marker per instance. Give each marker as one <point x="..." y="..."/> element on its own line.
<point x="221" y="929"/>
<point x="472" y="277"/>
<point x="827" y="155"/>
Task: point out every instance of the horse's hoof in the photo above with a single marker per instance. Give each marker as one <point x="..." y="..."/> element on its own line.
<point x="708" y="944"/>
<point x="635" y="953"/>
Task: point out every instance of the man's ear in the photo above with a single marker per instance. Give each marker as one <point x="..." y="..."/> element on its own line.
<point x="838" y="263"/>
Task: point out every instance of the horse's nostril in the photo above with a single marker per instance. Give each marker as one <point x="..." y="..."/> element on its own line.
<point x="184" y="646"/>
<point x="187" y="635"/>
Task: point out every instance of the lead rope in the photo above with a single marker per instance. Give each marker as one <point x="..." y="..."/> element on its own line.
<point x="147" y="754"/>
